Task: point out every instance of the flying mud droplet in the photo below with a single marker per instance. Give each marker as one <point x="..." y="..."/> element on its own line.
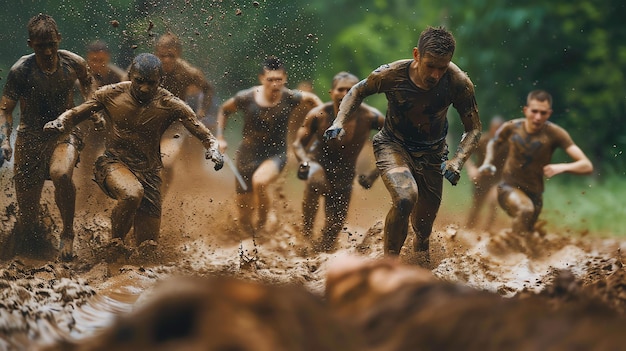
<point x="255" y="3"/>
<point x="309" y="36"/>
<point x="134" y="47"/>
<point x="115" y="23"/>
<point x="238" y="12"/>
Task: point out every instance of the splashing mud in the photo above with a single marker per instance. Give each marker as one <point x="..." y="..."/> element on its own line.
<point x="45" y="302"/>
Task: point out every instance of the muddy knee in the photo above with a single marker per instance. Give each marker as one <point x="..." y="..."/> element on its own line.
<point x="132" y="197"/>
<point x="60" y="178"/>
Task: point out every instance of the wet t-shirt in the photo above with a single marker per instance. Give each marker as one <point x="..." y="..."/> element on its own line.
<point x="417" y="117"/>
<point x="44" y="96"/>
<point x="340" y="155"/>
<point x="265" y="128"/>
<point x="529" y="153"/>
<point x="134" y="130"/>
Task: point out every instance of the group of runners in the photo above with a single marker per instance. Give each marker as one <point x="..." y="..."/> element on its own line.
<point x="150" y="104"/>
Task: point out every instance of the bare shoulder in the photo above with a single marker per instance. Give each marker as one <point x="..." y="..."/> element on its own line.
<point x="320" y="110"/>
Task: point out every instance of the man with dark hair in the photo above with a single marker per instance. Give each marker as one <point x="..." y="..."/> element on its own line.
<point x="329" y="167"/>
<point x="180" y="77"/>
<point x="137" y="114"/>
<point x="262" y="154"/>
<point x="530" y="142"/>
<point x="411" y="149"/>
<point x="43" y="84"/>
<point x="189" y="84"/>
<point x="99" y="62"/>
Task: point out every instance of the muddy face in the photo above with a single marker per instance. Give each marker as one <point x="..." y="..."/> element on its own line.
<point x="46" y="47"/>
<point x="144" y="85"/>
<point x="98" y="61"/>
<point x="168" y="57"/>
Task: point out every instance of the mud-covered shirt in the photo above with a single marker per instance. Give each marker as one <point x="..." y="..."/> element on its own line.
<point x="529" y="153"/>
<point x="44" y="96"/>
<point x="134" y="130"/>
<point x="417" y="117"/>
<point x="265" y="128"/>
<point x="340" y="155"/>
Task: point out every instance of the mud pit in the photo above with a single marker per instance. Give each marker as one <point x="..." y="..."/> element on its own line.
<point x="46" y="301"/>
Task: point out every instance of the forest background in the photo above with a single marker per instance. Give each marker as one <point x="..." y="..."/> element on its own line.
<point x="575" y="50"/>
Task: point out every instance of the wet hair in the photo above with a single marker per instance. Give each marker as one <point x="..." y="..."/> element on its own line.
<point x="170" y="40"/>
<point x="272" y="63"/>
<point x="98" y="46"/>
<point x="344" y="75"/>
<point x="145" y="64"/>
<point x="437" y="41"/>
<point x="42" y="26"/>
<point x="539" y="95"/>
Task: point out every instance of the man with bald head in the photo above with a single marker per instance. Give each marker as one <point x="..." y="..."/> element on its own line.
<point x="137" y="114"/>
<point x="329" y="168"/>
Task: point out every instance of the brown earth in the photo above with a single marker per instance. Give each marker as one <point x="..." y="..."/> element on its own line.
<point x="45" y="301"/>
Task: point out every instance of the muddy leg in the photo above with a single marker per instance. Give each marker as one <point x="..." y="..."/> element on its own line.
<point x="128" y="192"/>
<point x="336" y="211"/>
<point x="403" y="190"/>
<point x="246" y="207"/>
<point x="519" y="206"/>
<point x="64" y="160"/>
<point x="315" y="186"/>
<point x="146" y="227"/>
<point x="266" y="174"/>
<point x="27" y="228"/>
<point x="425" y="211"/>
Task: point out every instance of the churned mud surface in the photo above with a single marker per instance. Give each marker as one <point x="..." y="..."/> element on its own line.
<point x="46" y="300"/>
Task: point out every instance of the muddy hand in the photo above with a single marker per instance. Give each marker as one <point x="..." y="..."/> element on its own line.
<point x="451" y="175"/>
<point x="333" y="133"/>
<point x="5" y="153"/>
<point x="216" y="157"/>
<point x="54" y="126"/>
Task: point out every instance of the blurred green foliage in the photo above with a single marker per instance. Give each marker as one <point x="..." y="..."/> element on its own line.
<point x="575" y="50"/>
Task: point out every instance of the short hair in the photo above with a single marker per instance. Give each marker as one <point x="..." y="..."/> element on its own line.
<point x="539" y="95"/>
<point x="437" y="41"/>
<point x="145" y="64"/>
<point x="42" y="26"/>
<point x="170" y="40"/>
<point x="344" y="75"/>
<point x="98" y="46"/>
<point x="272" y="63"/>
